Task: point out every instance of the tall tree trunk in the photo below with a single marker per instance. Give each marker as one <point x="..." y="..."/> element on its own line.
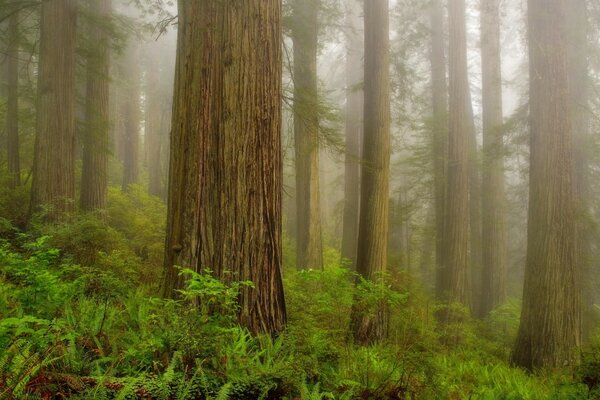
<point x="96" y="142"/>
<point x="439" y="88"/>
<point x="550" y="329"/>
<point x="374" y="203"/>
<point x="579" y="98"/>
<point x="353" y="129"/>
<point x="12" y="106"/>
<point x="306" y="135"/>
<point x="54" y="160"/>
<point x="154" y="123"/>
<point x="235" y="92"/>
<point x="456" y="225"/>
<point x="475" y="250"/>
<point x="131" y="156"/>
<point x="494" y="273"/>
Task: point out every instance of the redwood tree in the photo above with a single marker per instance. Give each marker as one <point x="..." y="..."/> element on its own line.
<point x="228" y="89"/>
<point x="374" y="203"/>
<point x="306" y="134"/>
<point x="550" y="329"/>
<point x="353" y="130"/>
<point x="96" y="142"/>
<point x="12" y="105"/>
<point x="54" y="160"/>
<point x="493" y="284"/>
<point x="132" y="118"/>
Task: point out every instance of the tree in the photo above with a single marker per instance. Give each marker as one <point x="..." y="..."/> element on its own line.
<point x="233" y="87"/>
<point x="493" y="282"/>
<point x="306" y="134"/>
<point x="353" y="129"/>
<point x="439" y="100"/>
<point x="96" y="142"/>
<point x="12" y="106"/>
<point x="550" y="329"/>
<point x="154" y="126"/>
<point x="54" y="160"/>
<point x="456" y="223"/>
<point x="132" y="112"/>
<point x="374" y="203"/>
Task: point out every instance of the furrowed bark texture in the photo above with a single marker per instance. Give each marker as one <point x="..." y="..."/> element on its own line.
<point x="54" y="160"/>
<point x="96" y="142"/>
<point x="550" y="329"/>
<point x="374" y="205"/>
<point x="306" y="135"/>
<point x="456" y="226"/>
<point x="353" y="130"/>
<point x="12" y="105"/>
<point x="439" y="87"/>
<point x="494" y="273"/>
<point x="237" y="93"/>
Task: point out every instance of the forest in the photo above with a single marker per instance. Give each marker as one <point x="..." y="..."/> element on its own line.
<point x="300" y="199"/>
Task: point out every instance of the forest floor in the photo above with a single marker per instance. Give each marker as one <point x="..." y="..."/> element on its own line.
<point x="81" y="319"/>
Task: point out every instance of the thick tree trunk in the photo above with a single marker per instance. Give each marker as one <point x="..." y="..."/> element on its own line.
<point x="456" y="225"/>
<point x="54" y="161"/>
<point x="231" y="89"/>
<point x="96" y="142"/>
<point x="353" y="129"/>
<point x="12" y="106"/>
<point x="579" y="81"/>
<point x="494" y="273"/>
<point x="374" y="203"/>
<point x="550" y="329"/>
<point x="439" y="101"/>
<point x="132" y="113"/>
<point x="306" y="135"/>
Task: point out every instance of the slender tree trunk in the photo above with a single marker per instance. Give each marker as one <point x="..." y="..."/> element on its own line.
<point x="550" y="329"/>
<point x="54" y="160"/>
<point x="231" y="89"/>
<point x="96" y="142"/>
<point x="154" y="124"/>
<point x="354" y="129"/>
<point x="131" y="156"/>
<point x="494" y="273"/>
<point x="456" y="225"/>
<point x="12" y="106"/>
<point x="306" y="134"/>
<point x="374" y="203"/>
<point x="439" y="88"/>
<point x="475" y="250"/>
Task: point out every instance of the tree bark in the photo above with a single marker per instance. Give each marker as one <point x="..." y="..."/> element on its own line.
<point x="456" y="224"/>
<point x="439" y="102"/>
<point x="353" y="130"/>
<point x="374" y="203"/>
<point x="96" y="142"/>
<point x="232" y="90"/>
<point x="12" y="106"/>
<point x="54" y="160"/>
<point x="131" y="154"/>
<point x="494" y="273"/>
<point x="550" y="329"/>
<point x="306" y="134"/>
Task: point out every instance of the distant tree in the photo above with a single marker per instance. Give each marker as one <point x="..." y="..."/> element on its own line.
<point x="226" y="130"/>
<point x="154" y="115"/>
<point x="353" y="129"/>
<point x="550" y="329"/>
<point x="494" y="274"/>
<point x="132" y="116"/>
<point x="439" y="100"/>
<point x="374" y="202"/>
<point x="96" y="142"/>
<point x="12" y="106"/>
<point x="456" y="226"/>
<point x="306" y="134"/>
<point x="54" y="161"/>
